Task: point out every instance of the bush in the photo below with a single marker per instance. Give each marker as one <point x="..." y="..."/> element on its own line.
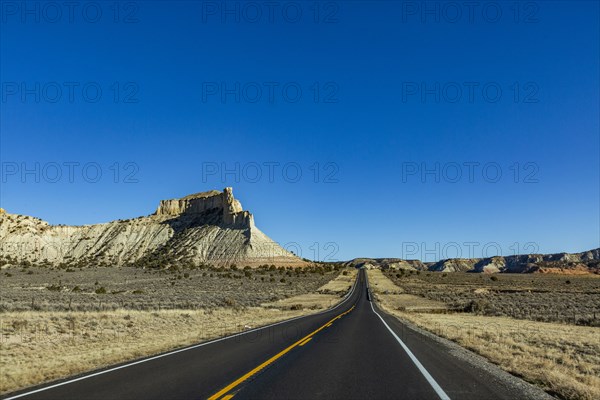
<point x="230" y="302"/>
<point x="477" y="306"/>
<point x="493" y="278"/>
<point x="100" y="290"/>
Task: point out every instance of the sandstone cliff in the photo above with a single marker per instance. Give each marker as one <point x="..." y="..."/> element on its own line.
<point x="209" y="227"/>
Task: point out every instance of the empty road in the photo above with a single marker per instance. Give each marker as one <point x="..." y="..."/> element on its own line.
<point x="354" y="351"/>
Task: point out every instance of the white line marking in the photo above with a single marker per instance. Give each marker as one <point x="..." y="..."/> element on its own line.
<point x="440" y="392"/>
<point x="346" y="297"/>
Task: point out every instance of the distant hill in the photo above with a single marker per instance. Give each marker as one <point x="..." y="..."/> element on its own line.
<point x="587" y="262"/>
<point x="203" y="228"/>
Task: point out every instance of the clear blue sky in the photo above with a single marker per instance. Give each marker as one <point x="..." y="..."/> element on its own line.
<point x="368" y="119"/>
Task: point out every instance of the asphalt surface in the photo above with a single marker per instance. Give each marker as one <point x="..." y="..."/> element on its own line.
<point x="344" y="353"/>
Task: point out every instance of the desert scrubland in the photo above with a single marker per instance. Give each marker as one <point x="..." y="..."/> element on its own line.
<point x="541" y="328"/>
<point x="60" y="322"/>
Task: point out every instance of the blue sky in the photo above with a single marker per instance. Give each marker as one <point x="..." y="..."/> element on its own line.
<point x="161" y="98"/>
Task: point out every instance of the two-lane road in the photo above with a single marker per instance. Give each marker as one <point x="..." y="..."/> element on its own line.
<point x="353" y="351"/>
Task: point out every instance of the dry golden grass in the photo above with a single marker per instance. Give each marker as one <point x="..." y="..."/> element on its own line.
<point x="313" y="301"/>
<point x="562" y="359"/>
<point x="40" y="346"/>
<point x="379" y="283"/>
<point x="410" y="302"/>
<point x="341" y="284"/>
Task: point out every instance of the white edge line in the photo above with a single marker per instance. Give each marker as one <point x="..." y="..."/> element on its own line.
<point x="345" y="299"/>
<point x="438" y="389"/>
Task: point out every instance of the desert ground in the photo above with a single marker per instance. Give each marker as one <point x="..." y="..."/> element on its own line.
<point x="571" y="299"/>
<point x="60" y="322"/>
<point x="542" y="328"/>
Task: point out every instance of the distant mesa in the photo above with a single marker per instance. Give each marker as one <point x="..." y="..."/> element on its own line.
<point x="587" y="262"/>
<point x="203" y="228"/>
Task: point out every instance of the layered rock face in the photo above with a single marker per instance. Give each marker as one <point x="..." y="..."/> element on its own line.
<point x="209" y="227"/>
<point x="196" y="204"/>
<point x="587" y="262"/>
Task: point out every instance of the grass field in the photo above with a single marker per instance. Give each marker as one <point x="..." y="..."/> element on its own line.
<point x="47" y="341"/>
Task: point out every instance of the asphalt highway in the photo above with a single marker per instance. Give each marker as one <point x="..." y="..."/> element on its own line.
<point x="353" y="351"/>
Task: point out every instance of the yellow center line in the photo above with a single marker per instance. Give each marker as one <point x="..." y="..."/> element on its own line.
<point x="271" y="360"/>
<point x="306" y="341"/>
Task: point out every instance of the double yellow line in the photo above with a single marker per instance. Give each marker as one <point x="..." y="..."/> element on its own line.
<point x="224" y="394"/>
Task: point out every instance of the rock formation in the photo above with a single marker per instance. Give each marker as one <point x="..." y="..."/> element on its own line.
<point x="587" y="262"/>
<point x="209" y="227"/>
<point x="197" y="204"/>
